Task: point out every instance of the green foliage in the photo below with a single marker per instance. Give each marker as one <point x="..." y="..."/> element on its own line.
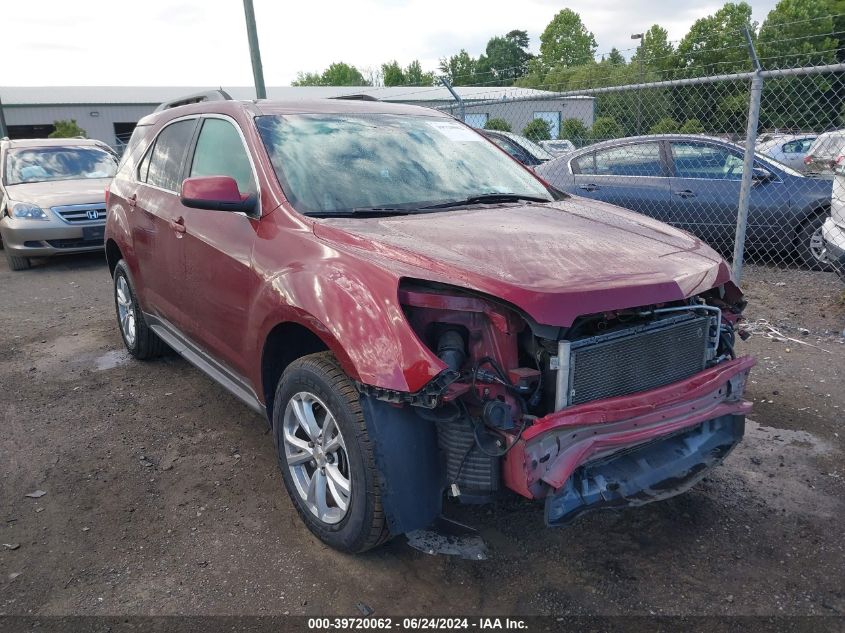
<point x="414" y="75"/>
<point x="798" y="30"/>
<point x="67" y="129"/>
<point x="537" y="130"/>
<point x="392" y="74"/>
<point x="505" y="58"/>
<point x="606" y="127"/>
<point x="692" y="126"/>
<point x="497" y="124"/>
<point x="615" y="58"/>
<point x="713" y="44"/>
<point x="655" y="52"/>
<point x="566" y="41"/>
<point x="575" y="131"/>
<point x="665" y="125"/>
<point x="460" y="68"/>
<point x="338" y="74"/>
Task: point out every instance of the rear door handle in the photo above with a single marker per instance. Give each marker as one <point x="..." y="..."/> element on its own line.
<point x="132" y="200"/>
<point x="686" y="193"/>
<point x="178" y="224"/>
<point x="589" y="187"/>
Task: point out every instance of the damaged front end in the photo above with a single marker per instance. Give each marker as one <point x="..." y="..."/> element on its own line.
<point x="619" y="408"/>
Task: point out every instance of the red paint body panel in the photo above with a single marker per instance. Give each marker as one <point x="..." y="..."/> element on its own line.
<point x="554" y="446"/>
<point x="340" y="277"/>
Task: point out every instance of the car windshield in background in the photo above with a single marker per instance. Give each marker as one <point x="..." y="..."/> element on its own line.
<point x="331" y="163"/>
<point x="43" y="164"/>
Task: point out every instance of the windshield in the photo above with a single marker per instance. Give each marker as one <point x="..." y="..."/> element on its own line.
<point x="339" y="162"/>
<point x="42" y="164"/>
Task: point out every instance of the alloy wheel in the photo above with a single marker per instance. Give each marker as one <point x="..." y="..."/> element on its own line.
<point x="316" y="456"/>
<point x="817" y="247"/>
<point x="126" y="311"/>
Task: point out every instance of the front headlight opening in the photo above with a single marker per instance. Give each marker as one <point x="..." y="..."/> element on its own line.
<point x="26" y="211"/>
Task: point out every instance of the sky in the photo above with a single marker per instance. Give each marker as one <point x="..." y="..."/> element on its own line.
<point x="198" y="43"/>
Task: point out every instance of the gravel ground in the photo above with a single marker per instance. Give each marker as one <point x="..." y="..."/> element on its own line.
<point x="163" y="495"/>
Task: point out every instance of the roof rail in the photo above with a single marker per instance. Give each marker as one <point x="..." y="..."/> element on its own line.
<point x="356" y="97"/>
<point x="199" y="97"/>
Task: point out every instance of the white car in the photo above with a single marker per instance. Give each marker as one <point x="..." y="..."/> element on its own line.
<point x="833" y="230"/>
<point x="824" y="153"/>
<point x="789" y="149"/>
<point x="558" y="147"/>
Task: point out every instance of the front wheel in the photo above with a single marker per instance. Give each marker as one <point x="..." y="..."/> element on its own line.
<point x="326" y="455"/>
<point x="16" y="263"/>
<point x="141" y="342"/>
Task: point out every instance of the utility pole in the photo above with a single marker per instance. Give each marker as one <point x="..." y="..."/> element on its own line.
<point x="254" y="51"/>
<point x="4" y="131"/>
<point x="639" y="36"/>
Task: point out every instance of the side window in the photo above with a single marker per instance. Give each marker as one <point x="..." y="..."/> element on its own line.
<point x="584" y="164"/>
<point x="699" y="160"/>
<point x="165" y="162"/>
<point x="642" y="159"/>
<point x="144" y="167"/>
<point x="512" y="151"/>
<point x="221" y="152"/>
<point x="792" y="147"/>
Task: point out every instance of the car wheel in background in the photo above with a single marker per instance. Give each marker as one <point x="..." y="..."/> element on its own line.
<point x="16" y="263"/>
<point x="810" y="246"/>
<point x="140" y="340"/>
<point x="326" y="456"/>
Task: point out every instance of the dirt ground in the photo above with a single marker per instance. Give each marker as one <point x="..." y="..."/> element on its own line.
<point x="163" y="494"/>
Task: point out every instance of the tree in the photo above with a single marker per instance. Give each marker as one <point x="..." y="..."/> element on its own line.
<point x="714" y="44"/>
<point x="566" y="41"/>
<point x="497" y="124"/>
<point x="798" y="33"/>
<point x="692" y="126"/>
<point x="606" y="127"/>
<point x="537" y="130"/>
<point x="392" y="74"/>
<point x="338" y="74"/>
<point x="414" y="75"/>
<point x="460" y="68"/>
<point x="615" y="58"/>
<point x="655" y="52"/>
<point x="505" y="58"/>
<point x="664" y="126"/>
<point x="67" y="129"/>
<point x="575" y="131"/>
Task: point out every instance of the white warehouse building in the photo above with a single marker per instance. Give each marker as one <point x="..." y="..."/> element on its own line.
<point x="109" y="113"/>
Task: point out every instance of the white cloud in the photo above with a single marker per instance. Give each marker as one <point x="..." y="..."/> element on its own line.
<point x="195" y="42"/>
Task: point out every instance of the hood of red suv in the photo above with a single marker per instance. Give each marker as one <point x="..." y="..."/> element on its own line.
<point x="554" y="261"/>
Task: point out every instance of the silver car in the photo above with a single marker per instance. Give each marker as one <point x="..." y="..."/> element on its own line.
<point x="789" y="149"/>
<point x="52" y="197"/>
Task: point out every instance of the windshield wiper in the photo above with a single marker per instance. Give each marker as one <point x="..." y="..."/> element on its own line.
<point x="386" y="210"/>
<point x="488" y="198"/>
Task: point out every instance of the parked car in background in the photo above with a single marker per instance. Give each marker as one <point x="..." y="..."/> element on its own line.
<point x="788" y="149"/>
<point x="558" y="147"/>
<point x="52" y="197"/>
<point x="833" y="231"/>
<point x="522" y="149"/>
<point x="415" y="313"/>
<point x="826" y="150"/>
<point x="692" y="182"/>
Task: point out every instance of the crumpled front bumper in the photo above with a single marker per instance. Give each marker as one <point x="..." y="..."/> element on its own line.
<point x="582" y="457"/>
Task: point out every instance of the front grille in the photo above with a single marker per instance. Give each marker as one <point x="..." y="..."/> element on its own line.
<point x="78" y="213"/>
<point x="629" y="361"/>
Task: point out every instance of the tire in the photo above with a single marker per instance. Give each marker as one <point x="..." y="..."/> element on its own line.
<point x="140" y="341"/>
<point x="16" y="263"/>
<point x="809" y="244"/>
<point x="317" y="382"/>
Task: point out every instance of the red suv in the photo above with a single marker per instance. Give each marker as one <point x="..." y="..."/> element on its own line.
<point x="419" y="316"/>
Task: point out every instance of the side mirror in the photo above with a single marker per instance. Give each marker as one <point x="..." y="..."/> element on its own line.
<point x="758" y="174"/>
<point x="216" y="193"/>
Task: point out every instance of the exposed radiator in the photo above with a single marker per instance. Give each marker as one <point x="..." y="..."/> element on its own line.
<point x="631" y="360"/>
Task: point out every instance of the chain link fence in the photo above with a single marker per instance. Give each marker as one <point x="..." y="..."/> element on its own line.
<point x="747" y="160"/>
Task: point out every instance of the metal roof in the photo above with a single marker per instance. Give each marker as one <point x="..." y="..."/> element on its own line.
<point x="153" y="95"/>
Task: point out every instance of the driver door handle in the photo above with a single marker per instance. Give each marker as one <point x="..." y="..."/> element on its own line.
<point x="589" y="187"/>
<point x="178" y="224"/>
<point x="132" y="200"/>
<point x="686" y="193"/>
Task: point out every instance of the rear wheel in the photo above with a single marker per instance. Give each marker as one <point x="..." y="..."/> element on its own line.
<point x="810" y="244"/>
<point x="326" y="455"/>
<point x="140" y="340"/>
<point x="16" y="263"/>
